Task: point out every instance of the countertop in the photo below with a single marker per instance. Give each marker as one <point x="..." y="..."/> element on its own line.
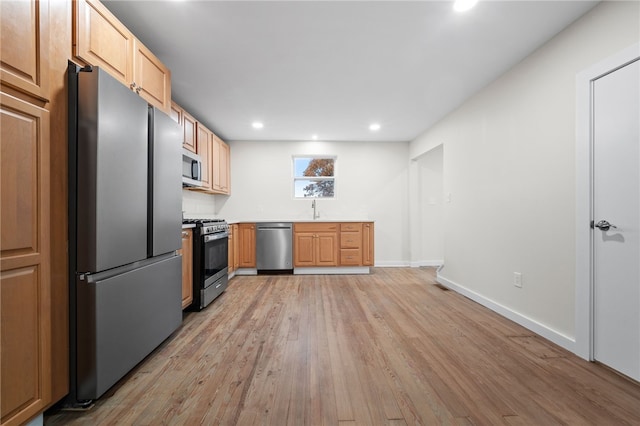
<point x="298" y="220"/>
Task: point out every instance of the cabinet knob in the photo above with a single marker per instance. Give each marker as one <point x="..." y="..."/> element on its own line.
<point x="138" y="89"/>
<point x="132" y="86"/>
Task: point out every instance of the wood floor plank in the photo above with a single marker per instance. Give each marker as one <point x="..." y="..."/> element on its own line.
<point x="390" y="348"/>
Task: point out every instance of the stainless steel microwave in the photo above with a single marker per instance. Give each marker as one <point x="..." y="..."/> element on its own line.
<point x="191" y="168"/>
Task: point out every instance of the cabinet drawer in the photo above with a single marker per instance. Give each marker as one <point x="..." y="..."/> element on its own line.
<point x="350" y="240"/>
<point x="350" y="257"/>
<point x="351" y="227"/>
<point x="315" y="227"/>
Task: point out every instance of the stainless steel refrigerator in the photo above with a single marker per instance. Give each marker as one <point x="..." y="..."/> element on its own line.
<point x="125" y="203"/>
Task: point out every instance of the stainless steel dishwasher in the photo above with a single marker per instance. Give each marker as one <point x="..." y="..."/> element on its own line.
<point x="274" y="246"/>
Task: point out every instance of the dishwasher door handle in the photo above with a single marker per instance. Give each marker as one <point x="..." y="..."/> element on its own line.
<point x="274" y="228"/>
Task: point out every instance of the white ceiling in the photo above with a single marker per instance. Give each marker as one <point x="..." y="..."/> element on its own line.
<point x="333" y="67"/>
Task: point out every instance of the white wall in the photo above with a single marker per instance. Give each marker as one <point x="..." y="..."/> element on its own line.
<point x="431" y="207"/>
<point x="371" y="183"/>
<point x="509" y="165"/>
<point x="197" y="205"/>
<point x="426" y="209"/>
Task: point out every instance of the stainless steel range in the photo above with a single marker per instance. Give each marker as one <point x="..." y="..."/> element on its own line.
<point x="210" y="260"/>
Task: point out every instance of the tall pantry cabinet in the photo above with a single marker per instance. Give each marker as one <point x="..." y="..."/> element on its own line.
<point x="33" y="272"/>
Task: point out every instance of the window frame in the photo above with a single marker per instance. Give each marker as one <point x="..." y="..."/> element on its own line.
<point x="296" y="179"/>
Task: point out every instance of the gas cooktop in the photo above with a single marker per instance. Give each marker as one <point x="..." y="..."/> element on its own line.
<point x="201" y="222"/>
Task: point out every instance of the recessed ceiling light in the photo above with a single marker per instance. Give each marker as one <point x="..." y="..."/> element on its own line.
<point x="257" y="125"/>
<point x="314" y="137"/>
<point x="464" y="5"/>
<point x="374" y="127"/>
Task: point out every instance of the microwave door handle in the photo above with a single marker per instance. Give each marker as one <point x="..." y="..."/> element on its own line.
<point x="195" y="170"/>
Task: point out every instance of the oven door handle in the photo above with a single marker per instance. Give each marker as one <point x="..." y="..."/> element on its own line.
<point x="213" y="237"/>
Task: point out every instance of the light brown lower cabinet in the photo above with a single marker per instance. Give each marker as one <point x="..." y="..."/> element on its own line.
<point x="233" y="248"/>
<point x="368" y="244"/>
<point x="315" y="244"/>
<point x="187" y="267"/>
<point x="333" y="244"/>
<point x="246" y="245"/>
<point x="236" y="248"/>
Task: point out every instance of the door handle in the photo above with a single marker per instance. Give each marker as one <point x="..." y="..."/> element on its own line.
<point x="603" y="225"/>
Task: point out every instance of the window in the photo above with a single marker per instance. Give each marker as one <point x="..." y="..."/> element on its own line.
<point x="314" y="177"/>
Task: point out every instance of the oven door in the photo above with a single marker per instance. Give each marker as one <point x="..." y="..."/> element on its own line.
<point x="216" y="256"/>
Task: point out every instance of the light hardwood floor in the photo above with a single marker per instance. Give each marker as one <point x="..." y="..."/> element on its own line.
<point x="391" y="348"/>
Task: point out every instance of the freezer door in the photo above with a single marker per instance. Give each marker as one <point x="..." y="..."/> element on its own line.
<point x="112" y="173"/>
<point x="121" y="319"/>
<point x="165" y="145"/>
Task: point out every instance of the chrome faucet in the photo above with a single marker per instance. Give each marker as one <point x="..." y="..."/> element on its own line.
<point x="315" y="212"/>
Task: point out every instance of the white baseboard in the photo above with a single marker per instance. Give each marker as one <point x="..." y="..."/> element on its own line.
<point x="392" y="264"/>
<point x="536" y="327"/>
<point x="338" y="270"/>
<point x="419" y="263"/>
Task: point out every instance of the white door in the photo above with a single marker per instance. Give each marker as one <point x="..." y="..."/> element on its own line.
<point x="616" y="192"/>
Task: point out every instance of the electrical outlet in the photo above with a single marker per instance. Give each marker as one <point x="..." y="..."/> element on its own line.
<point x="517" y="279"/>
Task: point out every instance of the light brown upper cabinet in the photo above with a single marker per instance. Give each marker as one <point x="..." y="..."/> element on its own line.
<point x="25" y="46"/>
<point x="220" y="166"/>
<point x="188" y="124"/>
<point x="215" y="160"/>
<point x="100" y="39"/>
<point x="204" y="140"/>
<point x="151" y="78"/>
<point x="176" y="113"/>
<point x="190" y="132"/>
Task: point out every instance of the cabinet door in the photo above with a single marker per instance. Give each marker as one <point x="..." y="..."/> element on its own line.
<point x="151" y="77"/>
<point x="25" y="293"/>
<point x="220" y="166"/>
<point x="231" y="252"/>
<point x="236" y="248"/>
<point x="247" y="245"/>
<point x="176" y="113"/>
<point x="225" y="168"/>
<point x="367" y="244"/>
<point x="303" y="249"/>
<point x="190" y="132"/>
<point x="100" y="39"/>
<point x="215" y="163"/>
<point x="326" y="249"/>
<point x="25" y="46"/>
<point x="187" y="267"/>
<point x="204" y="140"/>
